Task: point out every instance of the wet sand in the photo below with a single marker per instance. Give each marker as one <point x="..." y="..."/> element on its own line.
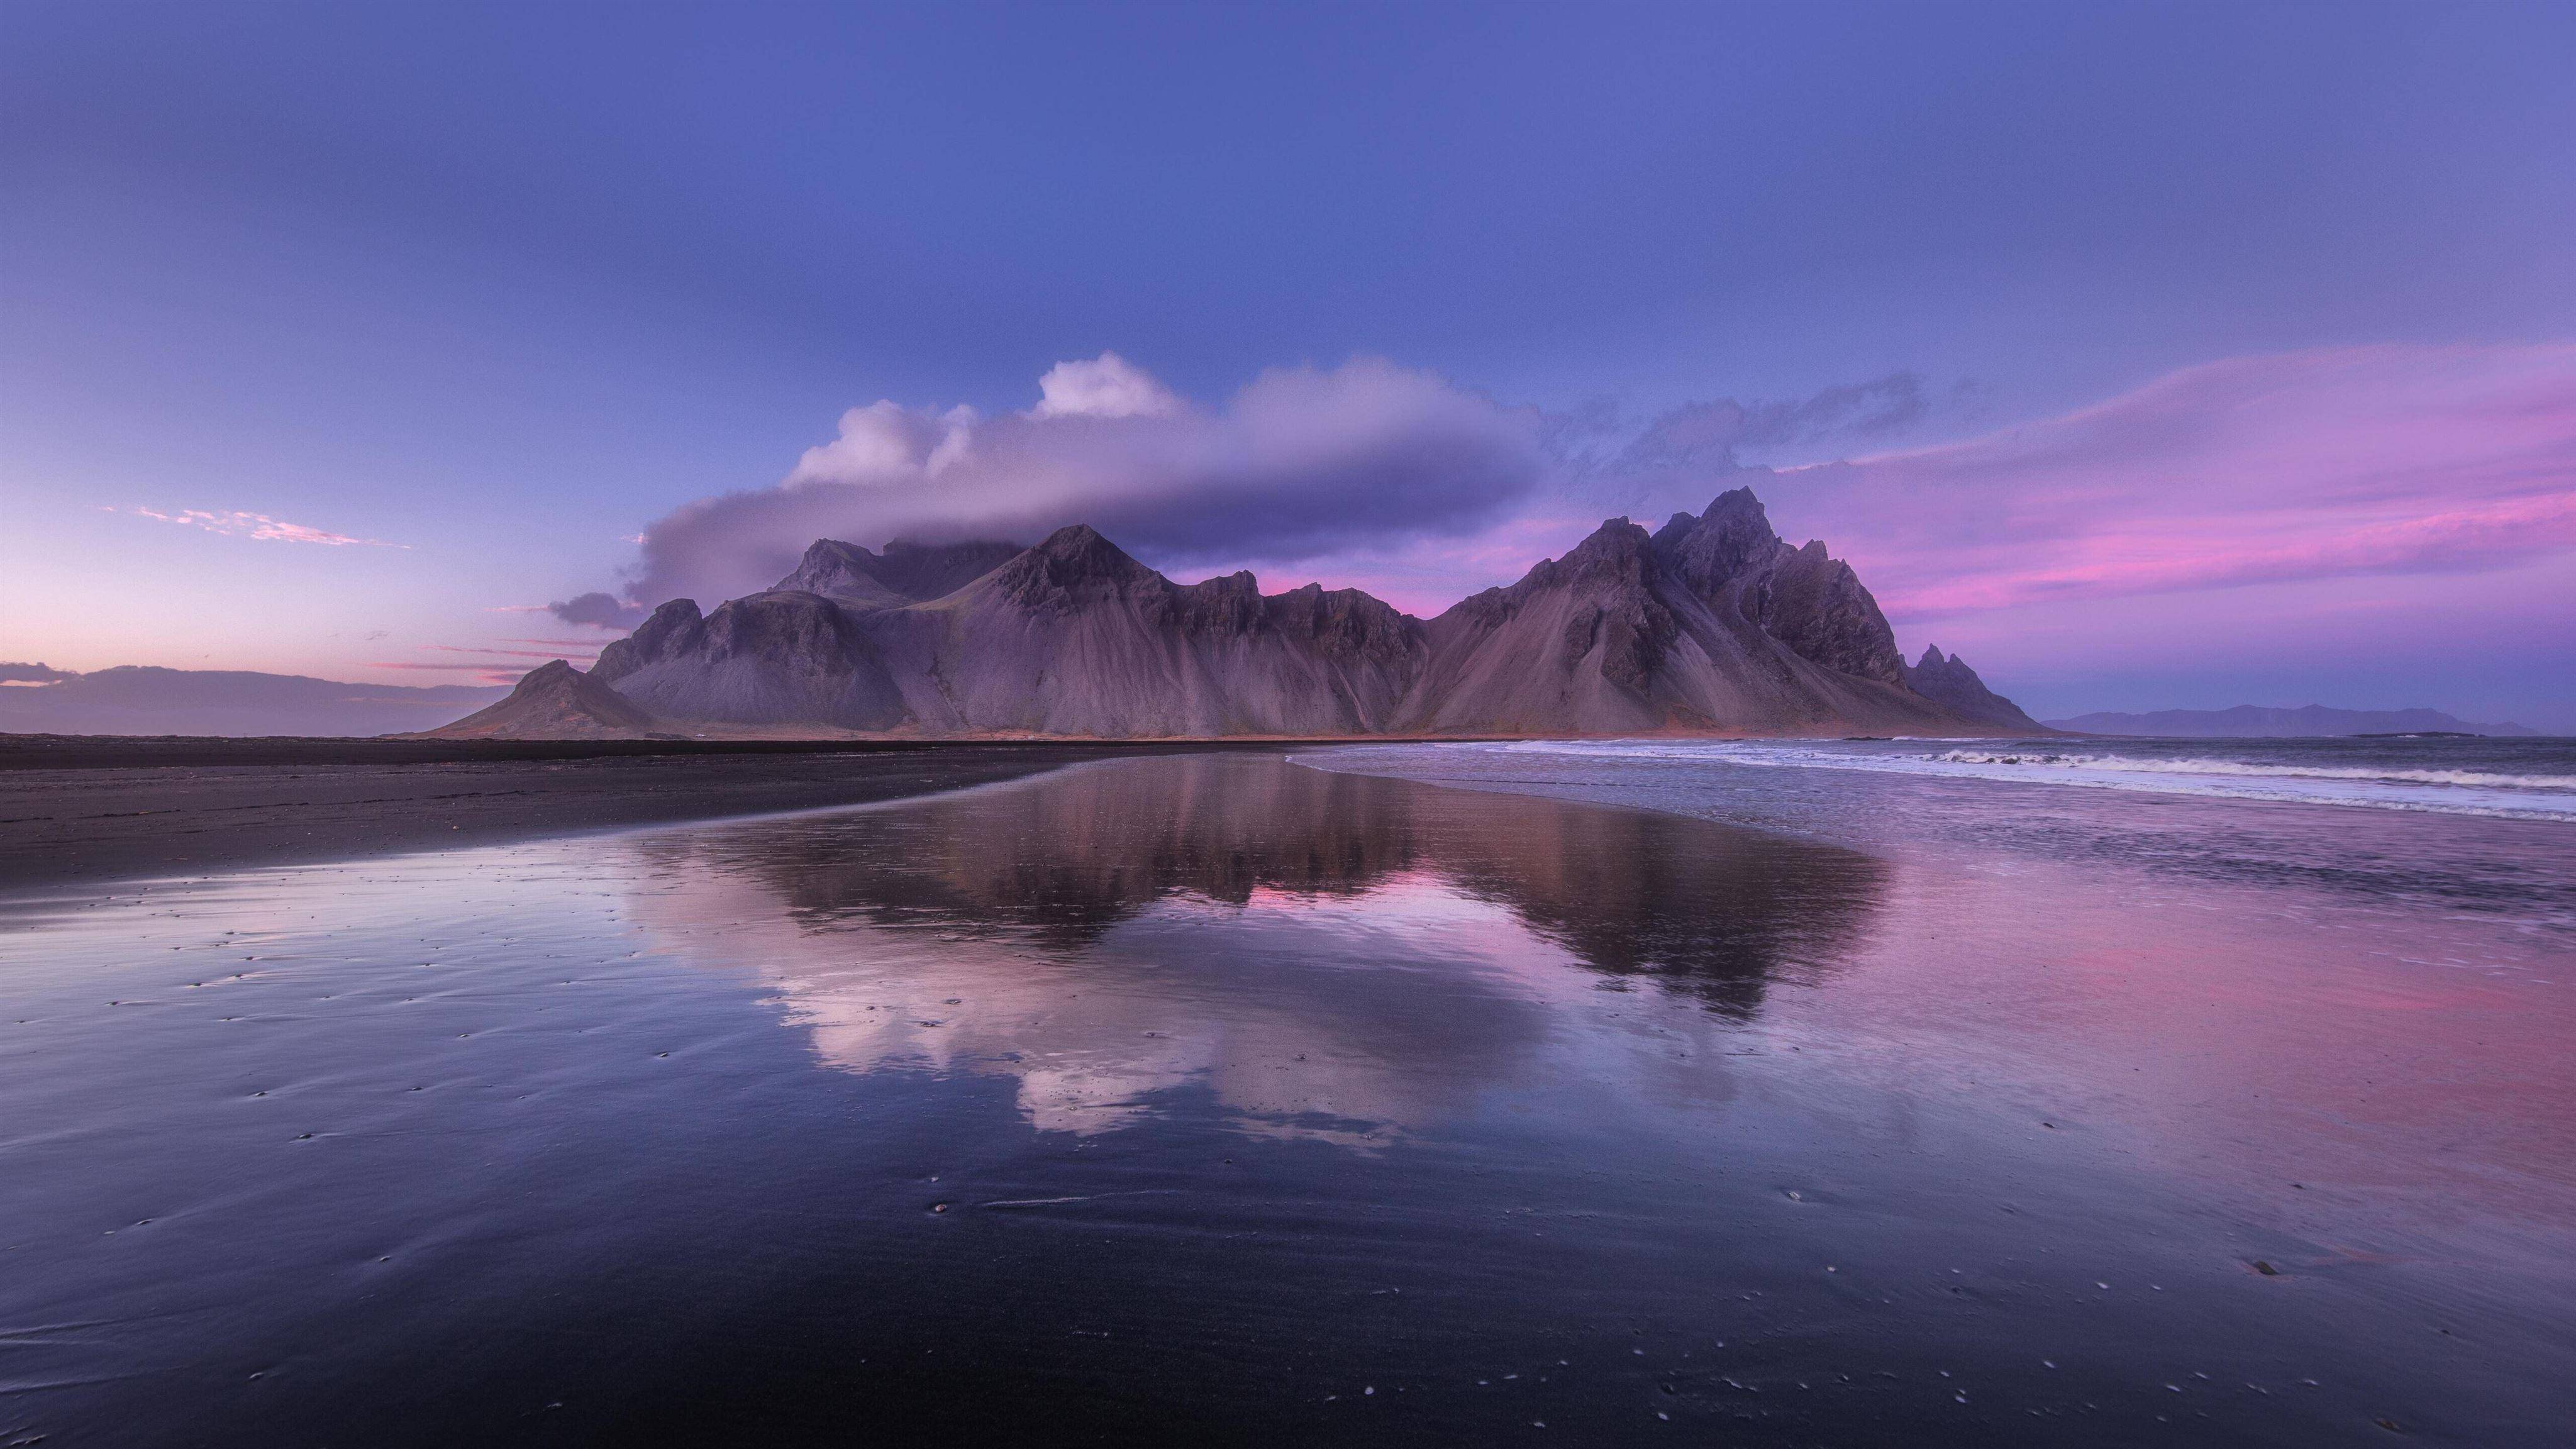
<point x="95" y="808"/>
<point x="1226" y="1100"/>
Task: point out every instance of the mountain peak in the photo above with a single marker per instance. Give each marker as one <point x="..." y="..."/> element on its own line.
<point x="906" y="572"/>
<point x="1737" y="504"/>
<point x="1617" y="544"/>
<point x="1073" y="564"/>
<point x="1713" y="549"/>
<point x="1074" y="540"/>
<point x="1077" y="551"/>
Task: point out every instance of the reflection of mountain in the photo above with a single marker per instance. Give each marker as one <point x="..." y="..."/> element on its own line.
<point x="1711" y="910"/>
<point x="1320" y="948"/>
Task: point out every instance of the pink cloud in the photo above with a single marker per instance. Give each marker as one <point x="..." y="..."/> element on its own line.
<point x="2368" y="465"/>
<point x="237" y="524"/>
<point x="483" y="673"/>
<point x="583" y="651"/>
<point x="2261" y="470"/>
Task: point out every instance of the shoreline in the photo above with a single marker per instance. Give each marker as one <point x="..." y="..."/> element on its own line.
<point x="184" y="810"/>
<point x="104" y="752"/>
<point x="132" y="752"/>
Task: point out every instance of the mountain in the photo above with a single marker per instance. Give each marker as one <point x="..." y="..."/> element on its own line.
<point x="2248" y="721"/>
<point x="146" y="700"/>
<point x="556" y="702"/>
<point x="1072" y="637"/>
<point x="1950" y="681"/>
<point x="1710" y="624"/>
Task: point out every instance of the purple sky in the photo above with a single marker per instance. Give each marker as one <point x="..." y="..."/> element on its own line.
<point x="2148" y="357"/>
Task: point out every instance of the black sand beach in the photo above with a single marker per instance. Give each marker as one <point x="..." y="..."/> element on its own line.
<point x="1221" y="1098"/>
<point x="96" y="807"/>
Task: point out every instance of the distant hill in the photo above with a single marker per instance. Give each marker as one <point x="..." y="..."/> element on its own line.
<point x="145" y="700"/>
<point x="558" y="702"/>
<point x="1712" y="624"/>
<point x="2249" y="721"/>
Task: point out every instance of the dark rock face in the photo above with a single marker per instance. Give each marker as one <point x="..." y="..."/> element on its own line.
<point x="556" y="702"/>
<point x="1579" y="645"/>
<point x="905" y="573"/>
<point x="1712" y="623"/>
<point x="1076" y="568"/>
<point x="1076" y="637"/>
<point x="1811" y="602"/>
<point x="783" y="657"/>
<point x="1951" y="682"/>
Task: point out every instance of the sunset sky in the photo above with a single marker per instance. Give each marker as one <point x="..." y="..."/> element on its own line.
<point x="2148" y="357"/>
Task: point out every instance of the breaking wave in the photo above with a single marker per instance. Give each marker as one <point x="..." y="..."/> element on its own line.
<point x="2257" y="770"/>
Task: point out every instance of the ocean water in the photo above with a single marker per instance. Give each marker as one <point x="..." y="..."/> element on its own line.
<point x="2412" y="829"/>
<point x="1233" y="1099"/>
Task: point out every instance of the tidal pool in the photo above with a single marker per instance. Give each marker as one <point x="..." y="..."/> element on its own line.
<point x="1224" y="1099"/>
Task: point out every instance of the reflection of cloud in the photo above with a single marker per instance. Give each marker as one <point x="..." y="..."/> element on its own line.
<point x="1260" y="1002"/>
<point x="1329" y="956"/>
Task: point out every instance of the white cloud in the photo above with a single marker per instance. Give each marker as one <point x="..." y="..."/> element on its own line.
<point x="1299" y="463"/>
<point x="1108" y="386"/>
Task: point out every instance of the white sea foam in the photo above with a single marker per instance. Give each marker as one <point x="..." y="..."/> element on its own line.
<point x="2391" y="785"/>
<point x="2123" y="763"/>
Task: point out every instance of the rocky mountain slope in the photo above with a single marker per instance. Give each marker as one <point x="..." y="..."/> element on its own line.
<point x="1710" y="624"/>
<point x="1950" y="681"/>
<point x="1072" y="637"/>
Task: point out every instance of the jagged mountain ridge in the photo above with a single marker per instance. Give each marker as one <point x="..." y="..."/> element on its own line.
<point x="1710" y="624"/>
